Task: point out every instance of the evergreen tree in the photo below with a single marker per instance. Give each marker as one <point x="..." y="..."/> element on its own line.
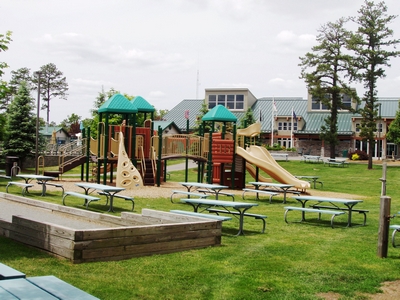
<point x="393" y="134"/>
<point x="52" y="85"/>
<point x="21" y="126"/>
<point x="373" y="46"/>
<point x="248" y="119"/>
<point x="326" y="82"/>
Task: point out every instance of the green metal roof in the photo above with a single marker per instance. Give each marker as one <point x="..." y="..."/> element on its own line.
<point x="177" y="114"/>
<point x="142" y="104"/>
<point x="165" y="124"/>
<point x="219" y="113"/>
<point x="118" y="104"/>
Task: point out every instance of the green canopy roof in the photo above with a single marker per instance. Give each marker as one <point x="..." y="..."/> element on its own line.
<point x="118" y="104"/>
<point x="219" y="114"/>
<point x="142" y="104"/>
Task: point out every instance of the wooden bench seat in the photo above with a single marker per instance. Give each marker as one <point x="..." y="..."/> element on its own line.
<point x="87" y="198"/>
<point x="24" y="186"/>
<point x="219" y="194"/>
<point x="361" y="211"/>
<point x="7" y="272"/>
<point x="255" y="216"/>
<point x="196" y="214"/>
<point x="269" y="193"/>
<point x="334" y="213"/>
<point x="188" y="193"/>
<point x="127" y="198"/>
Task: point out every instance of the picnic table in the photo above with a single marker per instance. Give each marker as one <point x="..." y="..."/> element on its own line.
<point x="205" y="188"/>
<point x="311" y="158"/>
<point x="270" y="186"/>
<point x="110" y="191"/>
<point x="237" y="207"/>
<point x="279" y="155"/>
<point x="312" y="179"/>
<point x="336" y="162"/>
<point x="331" y="204"/>
<point x="41" y="179"/>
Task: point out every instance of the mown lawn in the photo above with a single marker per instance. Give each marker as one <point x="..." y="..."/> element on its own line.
<point x="289" y="261"/>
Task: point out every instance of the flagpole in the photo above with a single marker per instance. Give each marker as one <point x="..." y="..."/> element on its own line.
<point x="291" y="132"/>
<point x="272" y="123"/>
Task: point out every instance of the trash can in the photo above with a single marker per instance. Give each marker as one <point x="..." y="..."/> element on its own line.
<point x="345" y="153"/>
<point x="10" y="160"/>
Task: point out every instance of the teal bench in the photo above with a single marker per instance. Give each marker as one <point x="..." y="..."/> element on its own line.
<point x="269" y="193"/>
<point x="232" y="212"/>
<point x="334" y="213"/>
<point x="212" y="192"/>
<point x="7" y="272"/>
<point x="59" y="288"/>
<point x="361" y="211"/>
<point x="196" y="214"/>
<point x="87" y="198"/>
<point x="396" y="228"/>
<point x="187" y="193"/>
<point x="24" y="186"/>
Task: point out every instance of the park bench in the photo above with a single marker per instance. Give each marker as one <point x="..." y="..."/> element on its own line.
<point x="212" y="192"/>
<point x="24" y="186"/>
<point x="188" y="193"/>
<point x="7" y="272"/>
<point x="87" y="198"/>
<point x="334" y="213"/>
<point x="196" y="214"/>
<point x="127" y="198"/>
<point x="257" y="191"/>
<point x="361" y="211"/>
<point x="232" y="212"/>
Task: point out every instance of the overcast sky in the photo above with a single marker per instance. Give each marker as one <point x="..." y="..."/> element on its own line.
<point x="170" y="50"/>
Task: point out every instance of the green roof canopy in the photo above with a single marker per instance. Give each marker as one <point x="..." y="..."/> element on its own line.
<point x="118" y="104"/>
<point x="142" y="104"/>
<point x="219" y="114"/>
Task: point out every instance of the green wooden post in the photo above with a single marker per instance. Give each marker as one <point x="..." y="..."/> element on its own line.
<point x="159" y="156"/>
<point x="209" y="163"/>
<point x="187" y="151"/>
<point x="106" y="137"/>
<point x="234" y="157"/>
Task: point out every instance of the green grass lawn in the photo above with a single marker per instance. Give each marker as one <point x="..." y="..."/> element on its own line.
<point x="289" y="261"/>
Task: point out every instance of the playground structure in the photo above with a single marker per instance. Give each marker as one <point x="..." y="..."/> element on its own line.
<point x="230" y="159"/>
<point x="127" y="147"/>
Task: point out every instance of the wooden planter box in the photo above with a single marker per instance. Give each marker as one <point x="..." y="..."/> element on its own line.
<point x="84" y="236"/>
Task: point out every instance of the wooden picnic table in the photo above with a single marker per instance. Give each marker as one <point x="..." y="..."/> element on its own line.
<point x="239" y="207"/>
<point x="331" y="203"/>
<point x="209" y="188"/>
<point x="280" y="187"/>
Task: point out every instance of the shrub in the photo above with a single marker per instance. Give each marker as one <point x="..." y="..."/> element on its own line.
<point x="358" y="155"/>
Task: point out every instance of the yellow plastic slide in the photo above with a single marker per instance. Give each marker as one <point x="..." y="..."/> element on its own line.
<point x="260" y="157"/>
<point x="252" y="171"/>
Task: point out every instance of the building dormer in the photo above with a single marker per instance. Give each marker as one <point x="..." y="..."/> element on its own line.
<point x="314" y="105"/>
<point x="235" y="99"/>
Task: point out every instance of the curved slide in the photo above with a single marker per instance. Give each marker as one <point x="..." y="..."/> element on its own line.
<point x="252" y="171"/>
<point x="261" y="158"/>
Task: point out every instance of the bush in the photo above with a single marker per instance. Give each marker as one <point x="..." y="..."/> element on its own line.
<point x="358" y="155"/>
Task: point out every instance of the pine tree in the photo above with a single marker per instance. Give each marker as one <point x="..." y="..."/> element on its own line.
<point x="373" y="46"/>
<point x="20" y="139"/>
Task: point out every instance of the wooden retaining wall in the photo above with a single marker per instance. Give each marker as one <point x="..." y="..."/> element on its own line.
<point x="131" y="235"/>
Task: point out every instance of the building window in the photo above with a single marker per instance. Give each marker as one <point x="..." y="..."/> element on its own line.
<point x="357" y="127"/>
<point x="287" y="125"/>
<point x="229" y="101"/>
<point x="285" y="142"/>
<point x="346" y="101"/>
<point x="212" y="100"/>
<point x="317" y="105"/>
